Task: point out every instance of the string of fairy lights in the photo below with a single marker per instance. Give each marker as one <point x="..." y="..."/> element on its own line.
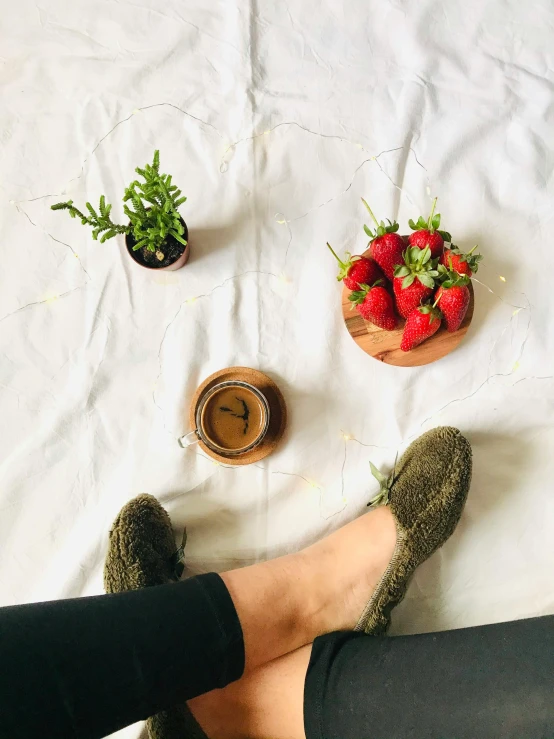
<point x="284" y="280"/>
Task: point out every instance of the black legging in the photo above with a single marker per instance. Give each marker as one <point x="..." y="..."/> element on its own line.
<point x="83" y="668"/>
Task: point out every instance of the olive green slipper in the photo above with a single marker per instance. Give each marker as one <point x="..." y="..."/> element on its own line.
<point x="141" y="553"/>
<point x="141" y="550"/>
<point x="426" y="493"/>
<point x="175" y="723"/>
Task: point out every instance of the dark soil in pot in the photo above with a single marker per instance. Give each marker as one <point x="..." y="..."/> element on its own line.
<point x="172" y="251"/>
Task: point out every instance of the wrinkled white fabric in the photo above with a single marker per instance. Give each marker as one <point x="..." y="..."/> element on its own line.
<point x="328" y="101"/>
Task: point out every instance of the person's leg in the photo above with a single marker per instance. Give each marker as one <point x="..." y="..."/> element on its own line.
<point x="94" y="665"/>
<point x="286" y="602"/>
<point x="88" y="666"/>
<point x="268" y="703"/>
<point x="491" y="682"/>
<point x="85" y="667"/>
<point x="426" y="495"/>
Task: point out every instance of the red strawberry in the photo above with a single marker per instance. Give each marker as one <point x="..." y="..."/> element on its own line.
<point x="357" y="271"/>
<point x="424" y="238"/>
<point x="421" y="324"/>
<point x="414" y="281"/>
<point x="375" y="304"/>
<point x="386" y="245"/>
<point x="463" y="264"/>
<point x="453" y="298"/>
<point x="426" y="233"/>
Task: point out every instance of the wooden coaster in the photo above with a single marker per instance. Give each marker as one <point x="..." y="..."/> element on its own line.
<point x="385" y="345"/>
<point x="277" y="406"/>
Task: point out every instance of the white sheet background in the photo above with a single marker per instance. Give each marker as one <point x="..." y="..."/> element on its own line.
<point x="100" y="358"/>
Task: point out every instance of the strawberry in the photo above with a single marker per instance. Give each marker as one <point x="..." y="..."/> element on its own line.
<point x="421" y="324"/>
<point x="375" y="304"/>
<point x="426" y="233"/>
<point x="386" y="245"/>
<point x="356" y="271"/>
<point x="453" y="297"/>
<point x="414" y="281"/>
<point x="463" y="264"/>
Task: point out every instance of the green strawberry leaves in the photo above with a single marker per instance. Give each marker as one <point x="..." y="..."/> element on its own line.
<point x="427" y="280"/>
<point x="417" y="264"/>
<point x="343" y="266"/>
<point x="431" y="224"/>
<point x="449" y="278"/>
<point x="470" y="258"/>
<point x="431" y="310"/>
<point x="357" y="297"/>
<point x="423" y="257"/>
<point x="401" y="270"/>
<point x="419" y="225"/>
<point x="380" y="228"/>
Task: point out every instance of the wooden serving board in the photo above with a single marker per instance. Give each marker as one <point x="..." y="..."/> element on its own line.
<point x="277" y="406"/>
<point x="385" y="345"/>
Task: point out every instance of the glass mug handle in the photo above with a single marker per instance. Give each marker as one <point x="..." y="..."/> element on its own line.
<point x="184" y="441"/>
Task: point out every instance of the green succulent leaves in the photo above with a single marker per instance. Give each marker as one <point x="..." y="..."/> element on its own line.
<point x="152" y="223"/>
<point x="151" y="207"/>
<point x="100" y="221"/>
<point x="418" y="264"/>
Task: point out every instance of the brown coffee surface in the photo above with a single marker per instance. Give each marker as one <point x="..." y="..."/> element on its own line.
<point x="233" y="418"/>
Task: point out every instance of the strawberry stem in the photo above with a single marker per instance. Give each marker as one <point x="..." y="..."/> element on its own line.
<point x="437" y="301"/>
<point x="430" y="219"/>
<point x="375" y="221"/>
<point x="339" y="260"/>
<point x="472" y="250"/>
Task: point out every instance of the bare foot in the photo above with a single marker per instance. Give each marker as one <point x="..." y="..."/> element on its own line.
<point x="338" y="575"/>
<point x="347" y="566"/>
<point x="287" y="602"/>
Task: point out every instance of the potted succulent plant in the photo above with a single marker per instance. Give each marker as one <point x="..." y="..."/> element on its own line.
<point x="156" y="235"/>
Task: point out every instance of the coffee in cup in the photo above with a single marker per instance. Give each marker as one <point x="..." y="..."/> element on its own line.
<point x="231" y="418"/>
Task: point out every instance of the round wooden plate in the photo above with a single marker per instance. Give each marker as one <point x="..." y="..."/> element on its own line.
<point x="385" y="345"/>
<point x="277" y="406"/>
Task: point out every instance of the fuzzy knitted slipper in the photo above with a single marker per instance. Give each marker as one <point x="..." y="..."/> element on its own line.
<point x="141" y="553"/>
<point x="141" y="550"/>
<point x="426" y="492"/>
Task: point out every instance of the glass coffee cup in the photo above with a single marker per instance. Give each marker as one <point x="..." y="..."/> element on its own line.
<point x="231" y="418"/>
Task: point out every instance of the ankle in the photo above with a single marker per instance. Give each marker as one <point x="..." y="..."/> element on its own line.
<point x="275" y="599"/>
<point x="346" y="567"/>
<point x="312" y="567"/>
